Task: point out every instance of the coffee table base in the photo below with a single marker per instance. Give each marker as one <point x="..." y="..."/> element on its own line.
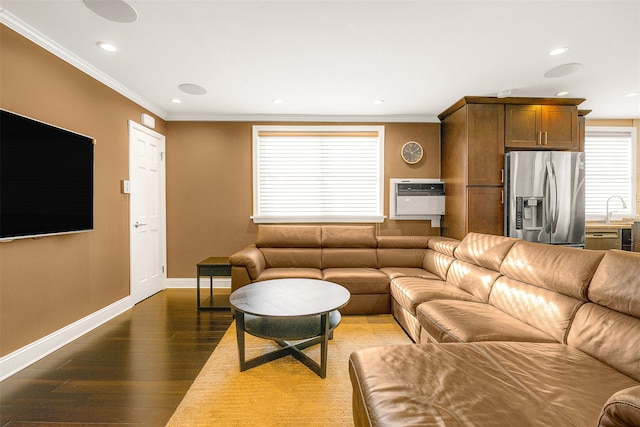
<point x="311" y="329"/>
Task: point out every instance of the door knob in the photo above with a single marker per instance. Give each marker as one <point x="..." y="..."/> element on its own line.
<point x="137" y="224"/>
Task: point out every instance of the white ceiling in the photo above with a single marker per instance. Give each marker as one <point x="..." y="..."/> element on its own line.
<point x="331" y="59"/>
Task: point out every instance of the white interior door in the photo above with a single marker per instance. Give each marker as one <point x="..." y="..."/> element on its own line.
<point x="147" y="211"/>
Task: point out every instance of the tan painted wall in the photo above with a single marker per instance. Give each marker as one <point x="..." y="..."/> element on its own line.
<point x="48" y="283"/>
<point x="209" y="187"/>
<point x="625" y="123"/>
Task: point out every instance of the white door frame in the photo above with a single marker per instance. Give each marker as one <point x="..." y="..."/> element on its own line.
<point x="137" y="191"/>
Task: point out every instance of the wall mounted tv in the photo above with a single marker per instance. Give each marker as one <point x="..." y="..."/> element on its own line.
<point x="46" y="179"/>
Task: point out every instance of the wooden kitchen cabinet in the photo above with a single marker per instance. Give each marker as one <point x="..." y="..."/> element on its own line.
<point x="486" y="210"/>
<point x="542" y="127"/>
<point x="472" y="143"/>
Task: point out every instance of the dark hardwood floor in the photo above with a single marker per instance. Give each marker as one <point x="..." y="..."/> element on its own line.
<point x="133" y="370"/>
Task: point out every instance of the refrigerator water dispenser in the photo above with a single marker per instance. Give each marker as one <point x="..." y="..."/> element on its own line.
<point x="529" y="213"/>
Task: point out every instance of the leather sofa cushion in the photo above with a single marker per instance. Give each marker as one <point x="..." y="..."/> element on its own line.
<point x="394" y="272"/>
<point x="349" y="257"/>
<point x="290" y="273"/>
<point x="292" y="257"/>
<point x="347" y="236"/>
<point x="482" y="384"/>
<point x="410" y="292"/>
<point x="404" y="242"/>
<point x="437" y="263"/>
<point x="549" y="311"/>
<point x="399" y="257"/>
<point x="616" y="282"/>
<point x="609" y="336"/>
<point x="472" y="278"/>
<point x="358" y="280"/>
<point x="484" y="250"/>
<point x="622" y="409"/>
<point x="445" y="245"/>
<point x="557" y="268"/>
<point x="462" y="321"/>
<point x="290" y="236"/>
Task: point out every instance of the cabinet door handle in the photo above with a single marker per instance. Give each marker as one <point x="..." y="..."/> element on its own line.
<point x="502" y="197"/>
<point x="539" y="138"/>
<point x="546" y="138"/>
<point x="502" y="176"/>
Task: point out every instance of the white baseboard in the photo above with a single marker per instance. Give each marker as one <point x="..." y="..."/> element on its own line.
<point x="31" y="353"/>
<point x="218" y="282"/>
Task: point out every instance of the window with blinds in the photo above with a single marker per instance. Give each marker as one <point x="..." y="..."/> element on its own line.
<point x="318" y="174"/>
<point x="610" y="169"/>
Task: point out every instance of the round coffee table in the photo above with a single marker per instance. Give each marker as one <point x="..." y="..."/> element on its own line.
<point x="283" y="310"/>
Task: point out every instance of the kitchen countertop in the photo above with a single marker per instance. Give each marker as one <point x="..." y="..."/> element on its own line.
<point x="614" y="225"/>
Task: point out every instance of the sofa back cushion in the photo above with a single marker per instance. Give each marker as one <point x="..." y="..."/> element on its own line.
<point x="608" y="329"/>
<point x="349" y="258"/>
<point x="548" y="311"/>
<point x="289" y="236"/>
<point x="444" y="245"/>
<point x="401" y="251"/>
<point x="437" y="263"/>
<point x="557" y="268"/>
<point x="616" y="282"/>
<point x="347" y="236"/>
<point x="484" y="250"/>
<point x="292" y="257"/>
<point x="472" y="278"/>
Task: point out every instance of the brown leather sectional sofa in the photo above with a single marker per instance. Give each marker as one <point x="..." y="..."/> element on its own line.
<point x="352" y="256"/>
<point x="511" y="333"/>
<point x="508" y="332"/>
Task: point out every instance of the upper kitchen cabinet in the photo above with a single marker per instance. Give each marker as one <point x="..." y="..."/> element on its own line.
<point x="542" y="127"/>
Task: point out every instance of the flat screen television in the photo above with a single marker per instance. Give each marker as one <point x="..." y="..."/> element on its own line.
<point x="46" y="179"/>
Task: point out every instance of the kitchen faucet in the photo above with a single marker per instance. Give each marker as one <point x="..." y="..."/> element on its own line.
<point x="607" y="220"/>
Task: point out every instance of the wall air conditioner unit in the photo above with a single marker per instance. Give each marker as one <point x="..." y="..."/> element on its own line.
<point x="416" y="199"/>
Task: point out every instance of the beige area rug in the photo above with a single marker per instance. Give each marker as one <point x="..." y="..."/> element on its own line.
<point x="283" y="392"/>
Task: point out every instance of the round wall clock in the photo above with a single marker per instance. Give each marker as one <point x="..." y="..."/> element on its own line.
<point x="412" y="152"/>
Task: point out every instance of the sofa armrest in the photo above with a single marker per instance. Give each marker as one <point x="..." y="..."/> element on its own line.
<point x="250" y="258"/>
<point x="622" y="409"/>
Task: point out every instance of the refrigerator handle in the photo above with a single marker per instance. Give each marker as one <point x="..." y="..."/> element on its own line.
<point x="556" y="204"/>
<point x="547" y="199"/>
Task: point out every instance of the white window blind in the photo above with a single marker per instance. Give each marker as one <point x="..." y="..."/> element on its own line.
<point x="318" y="174"/>
<point x="610" y="169"/>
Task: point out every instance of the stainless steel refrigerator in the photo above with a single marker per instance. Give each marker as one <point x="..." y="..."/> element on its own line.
<point x="544" y="197"/>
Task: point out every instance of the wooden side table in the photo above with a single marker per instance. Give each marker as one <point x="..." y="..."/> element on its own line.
<point x="212" y="267"/>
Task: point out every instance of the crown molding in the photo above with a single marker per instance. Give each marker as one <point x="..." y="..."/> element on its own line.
<point x="13" y="22"/>
<point x="303" y="118"/>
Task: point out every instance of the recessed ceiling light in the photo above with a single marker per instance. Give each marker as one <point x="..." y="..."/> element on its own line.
<point x="378" y="101"/>
<point x="558" y="51"/>
<point x="192" y="89"/>
<point x="113" y="10"/>
<point x="277" y="101"/>
<point x="629" y="95"/>
<point x="563" y="93"/>
<point x="176" y="101"/>
<point x="107" y="46"/>
<point x="563" y="70"/>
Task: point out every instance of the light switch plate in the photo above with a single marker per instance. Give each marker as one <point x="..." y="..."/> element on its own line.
<point x="125" y="186"/>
